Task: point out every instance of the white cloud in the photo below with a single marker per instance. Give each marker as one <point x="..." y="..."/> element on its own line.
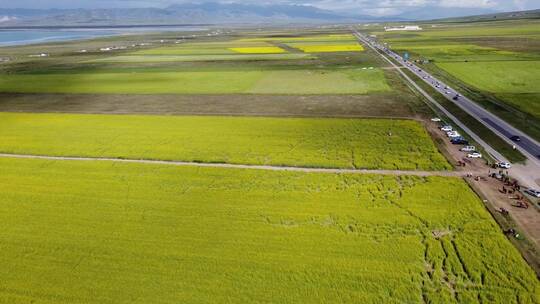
<point x="381" y="11"/>
<point x="468" y="3"/>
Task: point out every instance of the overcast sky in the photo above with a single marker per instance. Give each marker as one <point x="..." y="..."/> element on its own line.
<point x="372" y="7"/>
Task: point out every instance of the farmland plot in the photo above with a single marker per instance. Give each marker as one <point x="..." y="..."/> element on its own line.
<point x="330" y="143"/>
<point x="331" y="48"/>
<point x="218" y="81"/>
<point x="305" y="38"/>
<point x="201" y="48"/>
<point x="349" y="81"/>
<point x="197" y="58"/>
<point x="514" y="82"/>
<point x="258" y="50"/>
<point x="91" y="232"/>
<point x="326" y="47"/>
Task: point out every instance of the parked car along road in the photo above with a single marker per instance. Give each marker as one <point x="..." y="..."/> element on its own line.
<point x="446" y="128"/>
<point x="504" y="165"/>
<point x="453" y="134"/>
<point x="459" y="141"/>
<point x="474" y="155"/>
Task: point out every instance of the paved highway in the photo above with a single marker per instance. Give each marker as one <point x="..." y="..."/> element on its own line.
<point x="527" y="145"/>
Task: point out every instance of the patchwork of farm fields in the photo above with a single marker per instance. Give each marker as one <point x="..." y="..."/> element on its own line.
<point x="206" y="67"/>
<point x="328" y="143"/>
<point x="91" y="232"/>
<point x="74" y="231"/>
<point x="261" y="45"/>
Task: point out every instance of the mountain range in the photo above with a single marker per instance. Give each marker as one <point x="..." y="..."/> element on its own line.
<point x="208" y="13"/>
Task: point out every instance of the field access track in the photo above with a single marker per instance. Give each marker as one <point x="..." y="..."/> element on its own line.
<point x="236" y="166"/>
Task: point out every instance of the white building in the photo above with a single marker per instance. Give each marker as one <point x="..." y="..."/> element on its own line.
<point x="40" y="55"/>
<point x="403" y="28"/>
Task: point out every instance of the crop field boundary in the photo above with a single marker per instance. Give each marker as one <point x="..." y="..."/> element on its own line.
<point x="237" y="166"/>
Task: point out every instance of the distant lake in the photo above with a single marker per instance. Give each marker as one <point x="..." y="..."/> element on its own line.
<point x="32" y="36"/>
<point x="18" y="37"/>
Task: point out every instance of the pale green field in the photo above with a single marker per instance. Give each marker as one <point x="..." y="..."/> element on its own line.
<point x="257" y="81"/>
<point x="201" y="48"/>
<point x="516" y="82"/>
<point x="498" y="77"/>
<point x="330" y="143"/>
<point x="526" y="102"/>
<point x="91" y="232"/>
<point x="190" y="58"/>
<point x="132" y="83"/>
<point x="444" y="51"/>
<point x="346" y="81"/>
<point x="194" y="51"/>
<point x="515" y="28"/>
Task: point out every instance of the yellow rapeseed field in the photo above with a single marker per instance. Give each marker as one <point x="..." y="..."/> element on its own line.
<point x="330" y="48"/>
<point x="102" y="233"/>
<point x="336" y="37"/>
<point x="258" y="50"/>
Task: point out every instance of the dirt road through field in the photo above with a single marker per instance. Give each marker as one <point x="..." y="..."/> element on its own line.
<point x="239" y="166"/>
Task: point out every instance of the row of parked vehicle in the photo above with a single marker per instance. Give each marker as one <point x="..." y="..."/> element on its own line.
<point x="457" y="139"/>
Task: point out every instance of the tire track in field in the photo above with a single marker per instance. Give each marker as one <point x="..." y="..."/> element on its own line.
<point x="239" y="166"/>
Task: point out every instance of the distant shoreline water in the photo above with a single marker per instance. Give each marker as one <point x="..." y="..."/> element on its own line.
<point x="34" y="35"/>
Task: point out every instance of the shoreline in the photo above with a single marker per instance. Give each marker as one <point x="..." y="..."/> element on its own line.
<point x="63" y="34"/>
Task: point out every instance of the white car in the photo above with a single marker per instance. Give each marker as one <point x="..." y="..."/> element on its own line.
<point x="436" y="119"/>
<point x="446" y="128"/>
<point x="453" y="134"/>
<point x="468" y="149"/>
<point x="448" y="92"/>
<point x="474" y="155"/>
<point x="504" y="165"/>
